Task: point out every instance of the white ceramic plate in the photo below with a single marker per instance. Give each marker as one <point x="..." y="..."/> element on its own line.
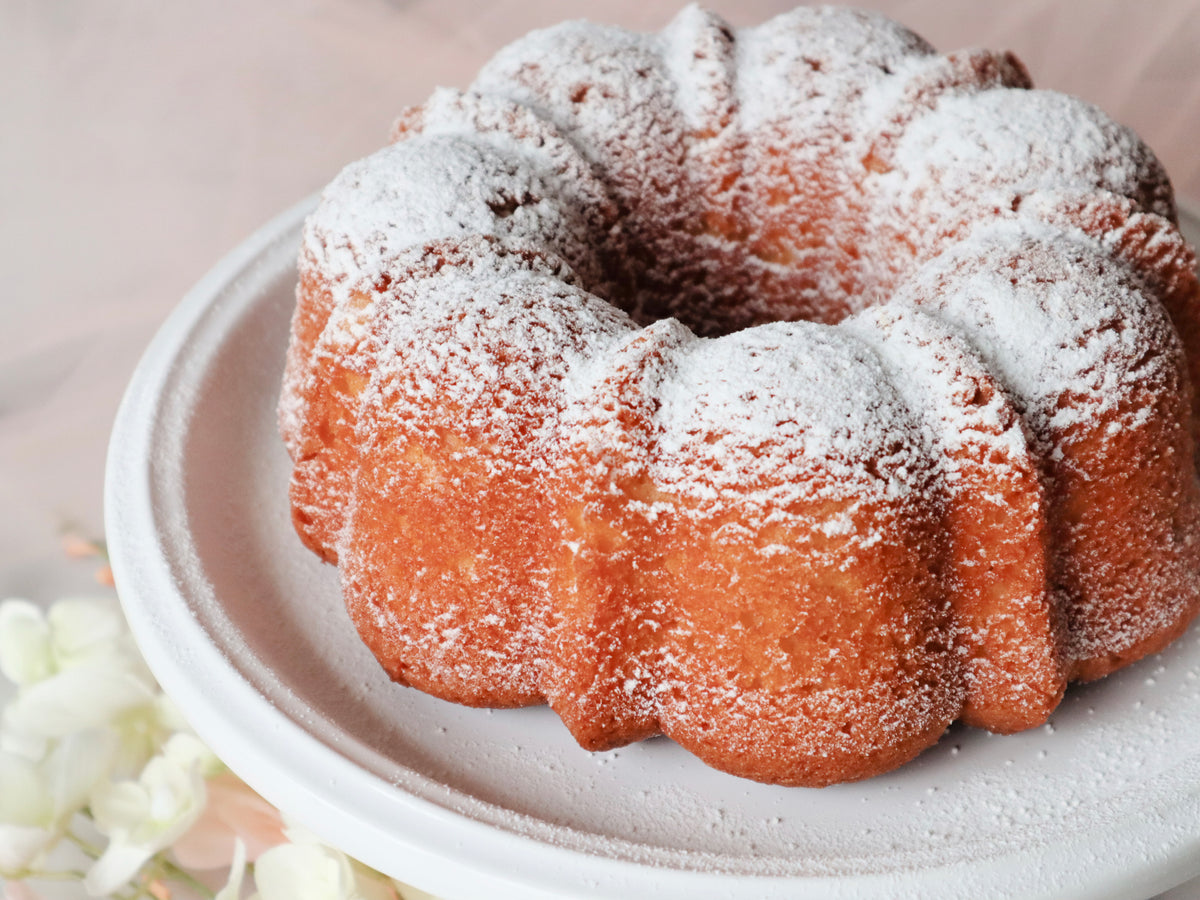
<point x="245" y="630"/>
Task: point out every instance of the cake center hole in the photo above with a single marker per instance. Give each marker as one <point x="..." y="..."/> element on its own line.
<point x="745" y="249"/>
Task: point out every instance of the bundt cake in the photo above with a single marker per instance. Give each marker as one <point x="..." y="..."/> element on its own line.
<point x="792" y="391"/>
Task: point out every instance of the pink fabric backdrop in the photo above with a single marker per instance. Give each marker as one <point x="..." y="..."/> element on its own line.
<point x="139" y="142"/>
<point x="138" y="146"/>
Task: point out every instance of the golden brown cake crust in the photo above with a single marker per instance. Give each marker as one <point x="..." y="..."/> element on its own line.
<point x="792" y="391"/>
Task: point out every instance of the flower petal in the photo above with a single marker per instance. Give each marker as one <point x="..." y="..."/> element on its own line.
<point x="297" y="833"/>
<point x="29" y="746"/>
<point x="143" y="818"/>
<point x="88" y="695"/>
<point x="186" y="750"/>
<point x="303" y="872"/>
<point x="139" y="737"/>
<point x="83" y="628"/>
<point x="237" y="871"/>
<point x="168" y="715"/>
<point x="235" y="813"/>
<point x="119" y="807"/>
<point x="75" y="766"/>
<point x="119" y="863"/>
<point x="24" y="799"/>
<point x="22" y="847"/>
<point x="24" y="643"/>
<point x="177" y="797"/>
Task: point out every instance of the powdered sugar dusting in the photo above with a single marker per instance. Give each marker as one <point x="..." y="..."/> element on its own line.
<point x="784" y="290"/>
<point x="765" y="411"/>
<point x="1051" y="318"/>
<point x="493" y="338"/>
<point x="987" y="151"/>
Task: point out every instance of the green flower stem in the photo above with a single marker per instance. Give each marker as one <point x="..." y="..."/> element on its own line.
<point x="138" y="893"/>
<point x="173" y="872"/>
<point x="89" y="849"/>
<point x="38" y="875"/>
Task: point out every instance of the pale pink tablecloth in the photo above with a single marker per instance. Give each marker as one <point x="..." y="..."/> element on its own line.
<point x="139" y="142"/>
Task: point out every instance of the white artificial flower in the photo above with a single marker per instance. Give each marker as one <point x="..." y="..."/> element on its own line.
<point x="237" y="872"/>
<point x="23" y="797"/>
<point x="187" y="751"/>
<point x="307" y="869"/>
<point x="85" y="628"/>
<point x="142" y="731"/>
<point x="234" y="814"/>
<point x="39" y="797"/>
<point x="91" y="694"/>
<point x="141" y="818"/>
<point x="36" y="645"/>
<point x="23" y="847"/>
<point x="76" y="669"/>
<point x="25" y="655"/>
<point x="89" y="733"/>
<point x="297" y="833"/>
<point x="168" y="716"/>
